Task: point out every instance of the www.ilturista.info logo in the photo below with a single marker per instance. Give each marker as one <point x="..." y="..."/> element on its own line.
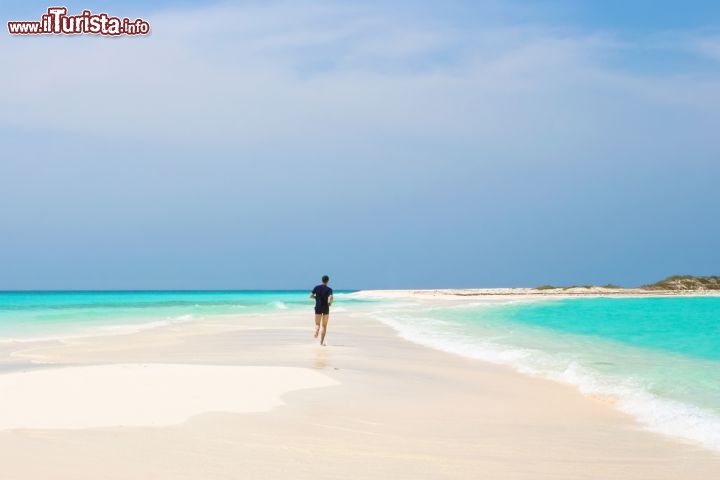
<point x="58" y="22"/>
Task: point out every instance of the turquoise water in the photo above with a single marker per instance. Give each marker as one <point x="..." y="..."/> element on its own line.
<point x="687" y="326"/>
<point x="33" y="315"/>
<point x="659" y="357"/>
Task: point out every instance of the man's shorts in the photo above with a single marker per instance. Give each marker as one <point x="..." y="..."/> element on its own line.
<point x="322" y="310"/>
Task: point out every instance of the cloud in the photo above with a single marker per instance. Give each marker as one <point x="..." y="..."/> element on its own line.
<point x="709" y="47"/>
<point x="444" y="148"/>
<point x="309" y="72"/>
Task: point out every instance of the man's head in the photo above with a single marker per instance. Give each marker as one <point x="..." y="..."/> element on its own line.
<point x="325" y="279"/>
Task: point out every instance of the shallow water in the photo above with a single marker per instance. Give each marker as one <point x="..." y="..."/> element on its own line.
<point x="39" y="315"/>
<point x="659" y="357"/>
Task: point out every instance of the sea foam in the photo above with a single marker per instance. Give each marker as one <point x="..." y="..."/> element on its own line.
<point x="655" y="413"/>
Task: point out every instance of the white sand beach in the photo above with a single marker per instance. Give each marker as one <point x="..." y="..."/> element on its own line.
<point x="139" y="395"/>
<point x="253" y="396"/>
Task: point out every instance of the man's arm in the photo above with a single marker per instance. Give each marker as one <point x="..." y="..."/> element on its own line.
<point x="330" y="300"/>
<point x="312" y="294"/>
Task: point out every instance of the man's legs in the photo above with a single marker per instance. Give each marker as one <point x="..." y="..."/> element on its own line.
<point x="325" y="319"/>
<point x="317" y="323"/>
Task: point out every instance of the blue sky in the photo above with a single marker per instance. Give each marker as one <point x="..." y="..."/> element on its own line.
<point x="388" y="144"/>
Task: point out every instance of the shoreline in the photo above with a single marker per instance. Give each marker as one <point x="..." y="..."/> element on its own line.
<point x="685" y="418"/>
<point x="522" y="294"/>
<point x="399" y="410"/>
<point x="570" y="292"/>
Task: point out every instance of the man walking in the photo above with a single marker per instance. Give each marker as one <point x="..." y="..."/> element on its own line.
<point x="323" y="296"/>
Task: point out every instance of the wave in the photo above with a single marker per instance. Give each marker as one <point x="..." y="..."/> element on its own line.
<point x="138" y="327"/>
<point x="87" y="331"/>
<point x="657" y="414"/>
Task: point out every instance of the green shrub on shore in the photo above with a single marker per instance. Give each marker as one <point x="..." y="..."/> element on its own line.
<point x="686" y="282"/>
<point x="674" y="282"/>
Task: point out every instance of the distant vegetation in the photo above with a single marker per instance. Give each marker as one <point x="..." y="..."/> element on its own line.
<point x="674" y="283"/>
<point x="686" y="282"/>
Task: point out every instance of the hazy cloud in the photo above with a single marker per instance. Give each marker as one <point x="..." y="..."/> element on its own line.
<point x="482" y="153"/>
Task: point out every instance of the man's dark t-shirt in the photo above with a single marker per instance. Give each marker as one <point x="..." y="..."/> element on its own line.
<point x="322" y="292"/>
